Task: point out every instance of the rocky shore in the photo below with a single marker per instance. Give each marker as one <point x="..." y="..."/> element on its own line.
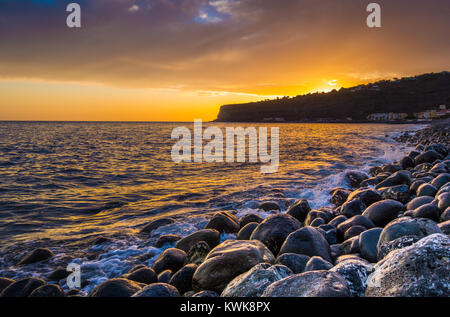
<point x="387" y="234"/>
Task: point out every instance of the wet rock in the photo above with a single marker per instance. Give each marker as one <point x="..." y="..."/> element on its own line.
<point x="426" y="190"/>
<point x="206" y="294"/>
<point x="211" y="237"/>
<point x="224" y="222"/>
<point x="354" y="231"/>
<point x="398" y="178"/>
<point x="254" y="282"/>
<point x="58" y="275"/>
<point x="419" y="201"/>
<point x="274" y="230"/>
<point x="296" y="262"/>
<point x="317" y="222"/>
<point x="156" y="224"/>
<point x="49" y="290"/>
<point x="22" y="288"/>
<point x="354" y="178"/>
<point x="143" y="275"/>
<point x="236" y="257"/>
<point x="353" y="207"/>
<point x="316" y="263"/>
<point x="299" y="210"/>
<point x="116" y="287"/>
<point x="368" y="241"/>
<point x="391" y="168"/>
<point x="166" y="239"/>
<point x="439" y="148"/>
<point x="171" y="259"/>
<point x="420" y="270"/>
<point x="429" y="211"/>
<point x="441" y="180"/>
<point x="367" y="195"/>
<point x="382" y="212"/>
<point x="338" y="197"/>
<point x="165" y="276"/>
<point x="5" y="282"/>
<point x="399" y="193"/>
<point x="308" y="241"/>
<point x="182" y="279"/>
<point x="356" y="273"/>
<point x="309" y="284"/>
<point x="246" y="232"/>
<point x="249" y="218"/>
<point x="445" y="227"/>
<point x="269" y="206"/>
<point x="37" y="255"/>
<point x="427" y="157"/>
<point x="158" y="290"/>
<point x="197" y="253"/>
<point x="407" y="162"/>
<point x="371" y="181"/>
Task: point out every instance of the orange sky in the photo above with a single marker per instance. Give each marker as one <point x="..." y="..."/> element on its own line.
<point x="165" y="60"/>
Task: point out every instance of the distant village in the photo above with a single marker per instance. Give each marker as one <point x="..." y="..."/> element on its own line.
<point x="438" y="113"/>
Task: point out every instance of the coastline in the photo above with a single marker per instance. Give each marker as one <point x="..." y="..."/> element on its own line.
<point x="194" y="260"/>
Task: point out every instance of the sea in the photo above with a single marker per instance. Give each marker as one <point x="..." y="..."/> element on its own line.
<point x="64" y="184"/>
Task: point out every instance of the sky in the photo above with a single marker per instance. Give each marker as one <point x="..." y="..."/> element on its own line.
<point x="178" y="60"/>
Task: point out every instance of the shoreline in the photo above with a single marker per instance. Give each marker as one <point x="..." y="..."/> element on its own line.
<point x="194" y="263"/>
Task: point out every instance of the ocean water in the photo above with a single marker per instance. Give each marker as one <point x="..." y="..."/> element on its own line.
<point x="64" y="184"/>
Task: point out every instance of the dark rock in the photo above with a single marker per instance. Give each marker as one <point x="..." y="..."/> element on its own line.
<point x="116" y="287"/>
<point x="338" y="197"/>
<point x="228" y="260"/>
<point x="58" y="275"/>
<point x="143" y="275"/>
<point x="299" y="210"/>
<point x="166" y="239"/>
<point x="5" y="282"/>
<point x="269" y="206"/>
<point x="224" y="222"/>
<point x="49" y="290"/>
<point x="368" y="241"/>
<point x="382" y="212"/>
<point x="22" y="288"/>
<point x="254" y="282"/>
<point x="439" y="148"/>
<point x="335" y="251"/>
<point x="445" y="216"/>
<point x="156" y="224"/>
<point x="354" y="231"/>
<point x="427" y="157"/>
<point x="347" y="257"/>
<point x="317" y="222"/>
<point x="315" y="214"/>
<point x="337" y="220"/>
<point x="353" y="207"/>
<point x="36" y="255"/>
<point x="171" y="259"/>
<point x="331" y="236"/>
<point x="443" y="201"/>
<point x="198" y="253"/>
<point x="158" y="290"/>
<point x="309" y="284"/>
<point x="308" y="241"/>
<point x="246" y="232"/>
<point x="426" y="190"/>
<point x="441" y="180"/>
<point x="391" y="168"/>
<point x="354" y="178"/>
<point x="206" y="294"/>
<point x="371" y="181"/>
<point x="137" y="267"/>
<point x="445" y="227"/>
<point x="296" y="262"/>
<point x="429" y="211"/>
<point x="355" y="272"/>
<point x="420" y="270"/>
<point x="415" y="185"/>
<point x="274" y="230"/>
<point x="350" y="246"/>
<point x="367" y="195"/>
<point x="419" y="201"/>
<point x="398" y="178"/>
<point x="165" y="276"/>
<point x="407" y="162"/>
<point x="249" y="218"/>
<point x="182" y="279"/>
<point x="316" y="263"/>
<point x="75" y="293"/>
<point x="212" y="237"/>
<point x="396" y="244"/>
<point x="355" y="221"/>
<point x="399" y="193"/>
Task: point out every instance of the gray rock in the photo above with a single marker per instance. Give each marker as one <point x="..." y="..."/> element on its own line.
<point x="445" y="227"/>
<point x="429" y="211"/>
<point x="398" y="178"/>
<point x="399" y="193"/>
<point x="228" y="260"/>
<point x="445" y="216"/>
<point x="420" y="270"/>
<point x="382" y="212"/>
<point x="419" y="201"/>
<point x="309" y="284"/>
<point x="316" y="263"/>
<point x="157" y="290"/>
<point x="426" y="190"/>
<point x="355" y="272"/>
<point x="254" y="282"/>
<point x="296" y="262"/>
<point x="441" y="180"/>
<point x="368" y="241"/>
